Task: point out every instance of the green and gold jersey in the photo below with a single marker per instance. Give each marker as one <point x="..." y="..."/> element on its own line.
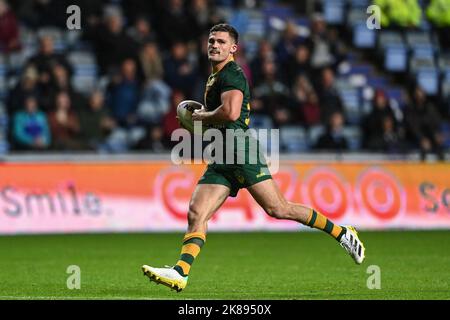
<point x="230" y="77"/>
<point x="248" y="165"/>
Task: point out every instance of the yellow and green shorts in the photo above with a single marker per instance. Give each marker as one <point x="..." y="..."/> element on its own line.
<point x="235" y="176"/>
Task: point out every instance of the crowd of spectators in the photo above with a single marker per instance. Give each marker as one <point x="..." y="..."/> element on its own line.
<point x="153" y="55"/>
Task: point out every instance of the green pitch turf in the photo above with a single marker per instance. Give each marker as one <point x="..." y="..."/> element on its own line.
<point x="303" y="265"/>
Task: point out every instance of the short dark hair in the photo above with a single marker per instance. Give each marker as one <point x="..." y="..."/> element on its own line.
<point x="224" y="27"/>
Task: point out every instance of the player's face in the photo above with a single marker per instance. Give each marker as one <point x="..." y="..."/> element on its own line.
<point x="220" y="46"/>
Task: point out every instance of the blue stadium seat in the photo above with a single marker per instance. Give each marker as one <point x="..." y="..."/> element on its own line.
<point x="444" y="64"/>
<point x="359" y="3"/>
<point x="293" y="139"/>
<point x="4" y="147"/>
<point x="334" y="11"/>
<point x="446" y="133"/>
<point x="354" y="137"/>
<point x="388" y="37"/>
<point x="414" y="38"/>
<point x="283" y="13"/>
<point x="395" y="58"/>
<point x="377" y="82"/>
<point x="423" y="52"/>
<point x="259" y="121"/>
<point x="428" y="80"/>
<point x="85" y="69"/>
<point x="363" y="37"/>
<point x="420" y="64"/>
<point x="314" y="133"/>
<point x="356" y="16"/>
<point x="351" y="99"/>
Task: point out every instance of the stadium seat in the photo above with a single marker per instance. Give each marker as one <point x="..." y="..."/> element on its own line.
<point x="293" y="139"/>
<point x="429" y="81"/>
<point x="377" y="82"/>
<point x="359" y="3"/>
<point x="280" y="12"/>
<point x="85" y="70"/>
<point x="427" y="52"/>
<point x="444" y="63"/>
<point x="356" y="16"/>
<point x="4" y="146"/>
<point x="354" y="137"/>
<point x="314" y="133"/>
<point x="334" y="11"/>
<point x="363" y="37"/>
<point x="351" y="100"/>
<point x="414" y="38"/>
<point x="387" y="37"/>
<point x="260" y="121"/>
<point x="446" y="133"/>
<point x="395" y="58"/>
<point x="417" y="64"/>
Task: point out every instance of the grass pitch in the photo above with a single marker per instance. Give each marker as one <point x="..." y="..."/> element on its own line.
<point x="303" y="265"/>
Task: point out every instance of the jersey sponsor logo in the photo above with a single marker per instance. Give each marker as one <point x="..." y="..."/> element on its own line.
<point x="210" y="82"/>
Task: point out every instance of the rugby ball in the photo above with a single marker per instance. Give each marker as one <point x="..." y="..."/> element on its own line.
<point x="184" y="112"/>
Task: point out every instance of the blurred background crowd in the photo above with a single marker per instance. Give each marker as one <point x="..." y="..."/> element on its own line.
<point x="316" y="71"/>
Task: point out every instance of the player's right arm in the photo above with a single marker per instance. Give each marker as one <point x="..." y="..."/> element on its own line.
<point x="228" y="111"/>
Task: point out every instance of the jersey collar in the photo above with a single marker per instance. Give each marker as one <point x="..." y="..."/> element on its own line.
<point x="216" y="71"/>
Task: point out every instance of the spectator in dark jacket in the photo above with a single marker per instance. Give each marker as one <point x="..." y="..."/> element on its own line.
<point x="124" y="94"/>
<point x="265" y="53"/>
<point x="95" y="122"/>
<point x="47" y="57"/>
<point x="389" y="139"/>
<point x="43" y="13"/>
<point x="112" y="44"/>
<point x="27" y="86"/>
<point x="180" y="72"/>
<point x="298" y="64"/>
<point x="424" y="125"/>
<point x="329" y="98"/>
<point x="333" y="138"/>
<point x="142" y="31"/>
<point x="380" y="128"/>
<point x="44" y="62"/>
<point x="176" y="24"/>
<point x="288" y="43"/>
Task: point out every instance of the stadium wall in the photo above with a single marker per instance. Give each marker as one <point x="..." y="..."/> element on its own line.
<point x="126" y="195"/>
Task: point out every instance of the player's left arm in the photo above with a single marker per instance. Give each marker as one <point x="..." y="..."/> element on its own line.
<point x="228" y="111"/>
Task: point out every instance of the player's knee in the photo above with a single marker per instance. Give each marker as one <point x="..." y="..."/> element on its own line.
<point x="276" y="211"/>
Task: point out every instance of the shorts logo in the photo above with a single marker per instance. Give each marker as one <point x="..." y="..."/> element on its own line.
<point x="259" y="175"/>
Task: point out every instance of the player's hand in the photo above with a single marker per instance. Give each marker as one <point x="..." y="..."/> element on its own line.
<point x="199" y="114"/>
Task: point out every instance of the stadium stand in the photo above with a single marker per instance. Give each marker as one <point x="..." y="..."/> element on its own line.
<point x="406" y="52"/>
